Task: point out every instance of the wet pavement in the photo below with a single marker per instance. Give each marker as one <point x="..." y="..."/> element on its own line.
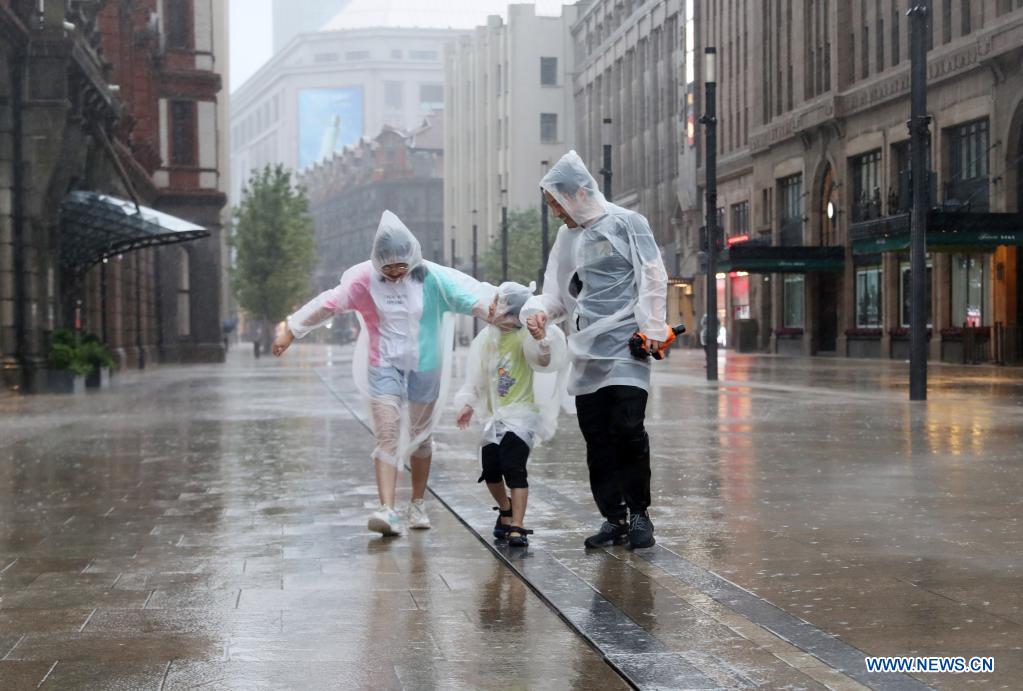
<point x="205" y="527"/>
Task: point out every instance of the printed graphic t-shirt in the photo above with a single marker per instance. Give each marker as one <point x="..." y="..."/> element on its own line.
<point x="512" y="373"/>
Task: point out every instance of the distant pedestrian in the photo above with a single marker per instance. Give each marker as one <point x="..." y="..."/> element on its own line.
<point x="606" y="280"/>
<point x="499" y="386"/>
<point x="404" y="307"/>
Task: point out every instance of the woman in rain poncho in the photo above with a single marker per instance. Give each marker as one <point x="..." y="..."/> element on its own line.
<point x="518" y="408"/>
<point x="403" y="355"/>
<point x="606" y="280"/>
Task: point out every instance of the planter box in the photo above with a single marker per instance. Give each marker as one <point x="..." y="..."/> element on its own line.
<point x="790" y="345"/>
<point x="864" y="347"/>
<point x="59" y="381"/>
<point x="99" y="379"/>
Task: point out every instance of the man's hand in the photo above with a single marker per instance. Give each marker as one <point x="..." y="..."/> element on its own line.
<point x="282" y="342"/>
<point x="653" y="346"/>
<point x="464" y="417"/>
<point x="537" y="325"/>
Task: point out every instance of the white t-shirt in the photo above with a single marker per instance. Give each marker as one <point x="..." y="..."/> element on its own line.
<point x="400" y="307"/>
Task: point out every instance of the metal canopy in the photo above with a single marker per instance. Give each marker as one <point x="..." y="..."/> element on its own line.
<point x="96" y="226"/>
<point x="947" y="231"/>
<point x="768" y="259"/>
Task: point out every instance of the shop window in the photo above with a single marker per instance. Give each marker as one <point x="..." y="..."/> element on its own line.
<point x="791" y="210"/>
<point x="971" y="274"/>
<point x="868" y="297"/>
<point x="793" y="301"/>
<point x="906" y="293"/>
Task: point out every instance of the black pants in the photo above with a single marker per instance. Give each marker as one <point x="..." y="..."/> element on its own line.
<point x="617" y="449"/>
<point x="506" y="461"/>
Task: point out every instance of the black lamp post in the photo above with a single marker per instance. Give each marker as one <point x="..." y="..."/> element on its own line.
<point x="918" y="131"/>
<point x="504" y="235"/>
<point x="605" y="137"/>
<point x="710" y="122"/>
<point x="545" y="243"/>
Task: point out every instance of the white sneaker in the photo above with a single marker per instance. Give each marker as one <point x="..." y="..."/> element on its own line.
<point x="385" y="521"/>
<point x="416" y="515"/>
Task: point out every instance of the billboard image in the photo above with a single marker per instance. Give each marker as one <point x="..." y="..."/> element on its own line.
<point x="328" y="121"/>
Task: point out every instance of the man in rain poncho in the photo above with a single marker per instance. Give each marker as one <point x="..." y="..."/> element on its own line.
<point x="403" y="356"/>
<point x="606" y="280"/>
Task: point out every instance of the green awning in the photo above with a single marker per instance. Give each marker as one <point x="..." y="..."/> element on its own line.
<point x="96" y="226"/>
<point x="769" y="259"/>
<point x="947" y="231"/>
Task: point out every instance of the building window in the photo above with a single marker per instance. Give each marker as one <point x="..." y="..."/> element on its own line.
<point x="793" y="301"/>
<point x="325" y="57"/>
<point x="431" y="97"/>
<point x="868" y="297"/>
<point x="182" y="133"/>
<point x="549" y="128"/>
<point x="548" y="71"/>
<point x="967" y="18"/>
<point x="356" y="55"/>
<point x="426" y="55"/>
<point x="179" y="24"/>
<point x="906" y="293"/>
<point x="896" y="37"/>
<point x="184" y="294"/>
<point x="946" y="21"/>
<point x="394" y="95"/>
<point x="791" y="210"/>
<point x="866" y="186"/>
<point x="968" y="180"/>
<point x="865" y="53"/>
<point x="397" y="54"/>
<point x="740" y="219"/>
<point x="970" y="276"/>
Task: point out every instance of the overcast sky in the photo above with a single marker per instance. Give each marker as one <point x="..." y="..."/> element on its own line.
<point x="251" y="34"/>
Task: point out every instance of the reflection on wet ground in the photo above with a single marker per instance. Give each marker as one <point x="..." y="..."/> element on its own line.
<point x="206" y="526"/>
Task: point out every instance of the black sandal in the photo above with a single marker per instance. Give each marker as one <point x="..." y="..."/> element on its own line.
<point x="500" y="529"/>
<point x="517" y="536"/>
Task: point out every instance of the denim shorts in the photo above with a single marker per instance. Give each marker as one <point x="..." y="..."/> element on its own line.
<point x="418" y="387"/>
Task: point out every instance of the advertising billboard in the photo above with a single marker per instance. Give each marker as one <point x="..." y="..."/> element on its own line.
<point x="328" y="121"/>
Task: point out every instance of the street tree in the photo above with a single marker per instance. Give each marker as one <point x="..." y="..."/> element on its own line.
<point x="524" y="249"/>
<point x="273" y="236"/>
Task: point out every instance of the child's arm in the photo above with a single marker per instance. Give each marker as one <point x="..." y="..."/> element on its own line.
<point x="547" y="353"/>
<point x="469" y="395"/>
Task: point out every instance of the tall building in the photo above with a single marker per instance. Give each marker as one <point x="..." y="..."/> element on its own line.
<point x="108" y="152"/>
<point x="396" y="171"/>
<point x="629" y="69"/>
<point x="814" y="187"/>
<point x="509" y="108"/>
<point x="376" y="63"/>
<point x="290" y="20"/>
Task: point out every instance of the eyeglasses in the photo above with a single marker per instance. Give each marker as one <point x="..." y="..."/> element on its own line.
<point x="394" y="268"/>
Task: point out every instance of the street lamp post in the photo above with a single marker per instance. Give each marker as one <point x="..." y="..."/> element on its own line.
<point x="545" y="243"/>
<point x="475" y="266"/>
<point x="504" y="235"/>
<point x="710" y="122"/>
<point x="918" y="132"/>
<point x="453" y="247"/>
<point x="605" y="137"/>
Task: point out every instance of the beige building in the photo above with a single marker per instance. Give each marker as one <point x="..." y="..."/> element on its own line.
<point x="508" y="95"/>
<point x="813" y="175"/>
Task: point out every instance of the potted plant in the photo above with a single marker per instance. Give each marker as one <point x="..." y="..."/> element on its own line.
<point x="67" y="367"/>
<point x="94" y="352"/>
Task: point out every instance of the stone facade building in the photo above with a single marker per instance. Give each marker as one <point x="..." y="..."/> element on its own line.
<point x="813" y="174"/>
<point x="397" y="171"/>
<point x="508" y="87"/>
<point x="112" y="98"/>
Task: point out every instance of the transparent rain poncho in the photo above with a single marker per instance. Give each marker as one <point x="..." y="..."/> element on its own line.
<point x="605" y="279"/>
<point x="497" y="362"/>
<point x="403" y="356"/>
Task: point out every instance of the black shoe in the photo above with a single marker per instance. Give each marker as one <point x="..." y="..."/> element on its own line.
<point x="501" y="529"/>
<point x="641" y="531"/>
<point x="610" y="534"/>
<point x="517" y="536"/>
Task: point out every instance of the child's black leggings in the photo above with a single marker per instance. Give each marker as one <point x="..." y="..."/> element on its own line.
<point x="506" y="461"/>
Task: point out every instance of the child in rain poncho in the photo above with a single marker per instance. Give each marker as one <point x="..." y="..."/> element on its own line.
<point x="606" y="279"/>
<point x="519" y="410"/>
<point x="402" y="358"/>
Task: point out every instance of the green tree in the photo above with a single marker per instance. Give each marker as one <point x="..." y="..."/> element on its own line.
<point x="524" y="249"/>
<point x="275" y="247"/>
